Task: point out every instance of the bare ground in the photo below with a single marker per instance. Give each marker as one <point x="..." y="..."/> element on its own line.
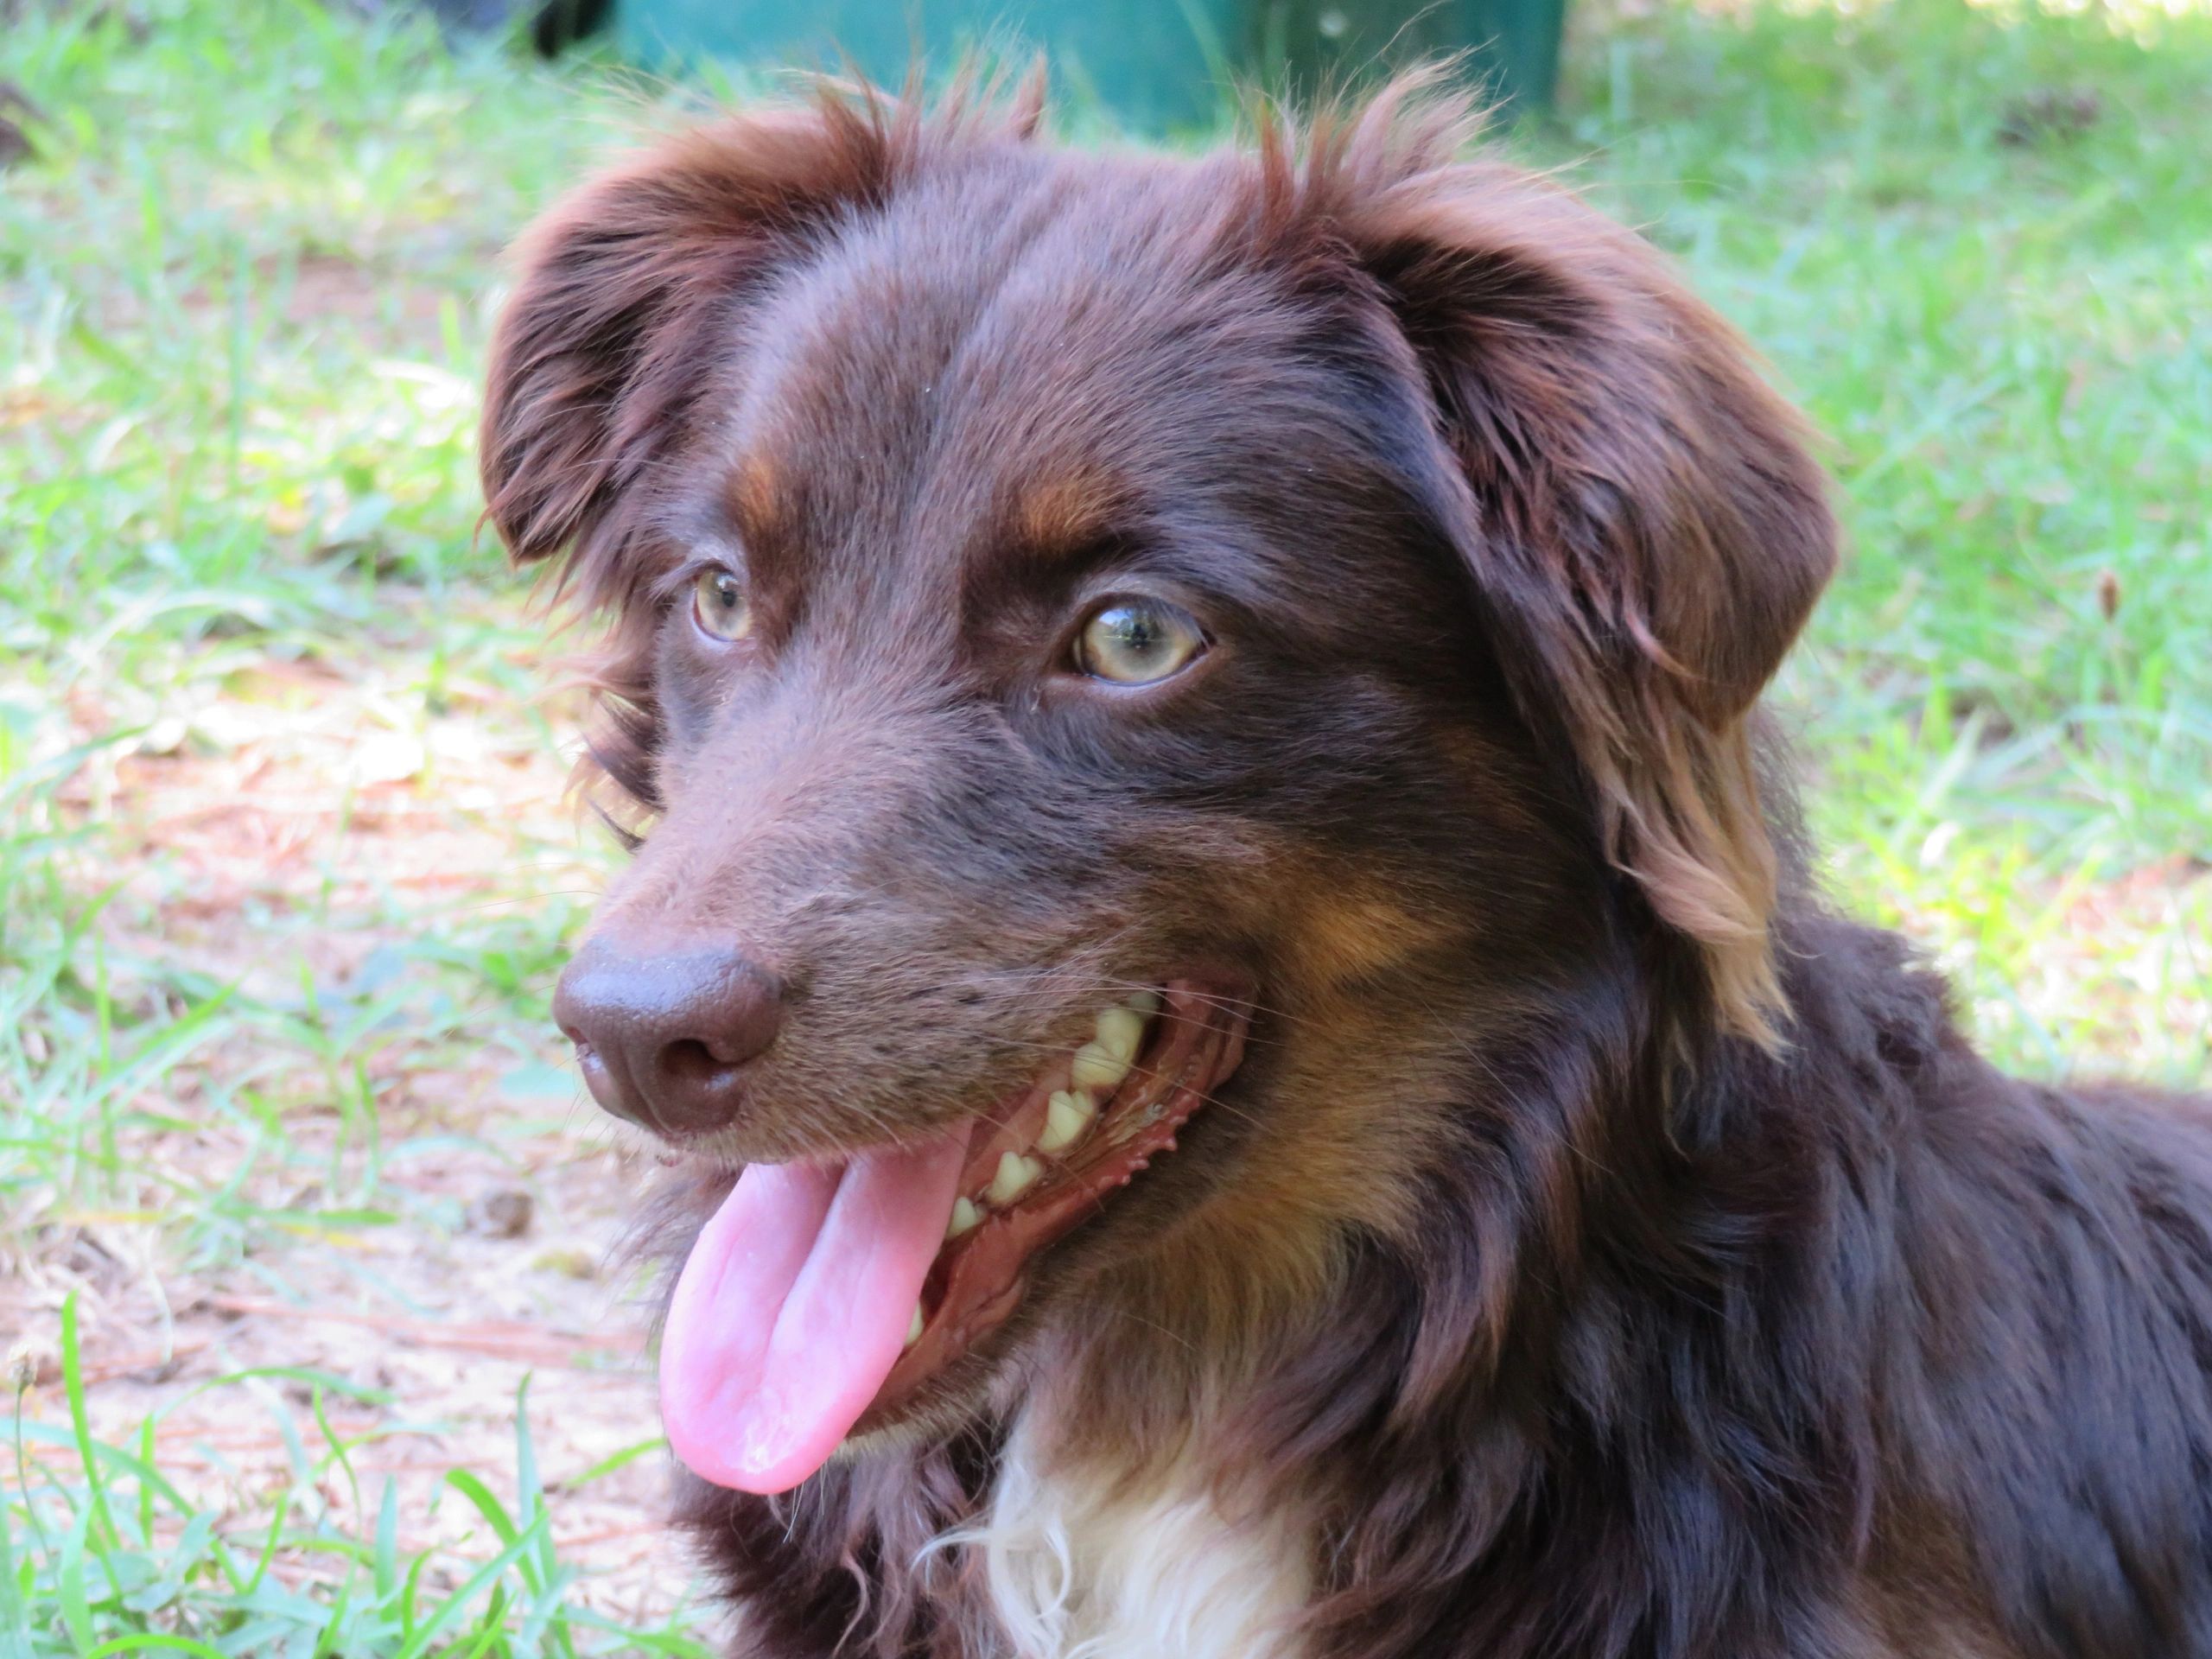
<point x="299" y="837"/>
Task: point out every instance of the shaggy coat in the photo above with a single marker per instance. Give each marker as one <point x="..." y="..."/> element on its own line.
<point x="1605" y="1251"/>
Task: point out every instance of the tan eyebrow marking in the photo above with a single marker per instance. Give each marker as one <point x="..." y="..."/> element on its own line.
<point x="1066" y="513"/>
<point x="755" y="498"/>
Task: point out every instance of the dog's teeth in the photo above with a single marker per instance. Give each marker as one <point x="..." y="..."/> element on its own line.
<point x="1016" y="1175"/>
<point x="1097" y="1066"/>
<point x="1144" y="1004"/>
<point x="1120" y="1033"/>
<point x="1066" y="1116"/>
<point x="914" y="1326"/>
<point x="965" y="1215"/>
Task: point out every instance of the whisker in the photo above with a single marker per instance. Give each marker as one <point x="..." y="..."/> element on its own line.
<point x="1060" y="976"/>
<point x="1154" y="1325"/>
<point x="1045" y="972"/>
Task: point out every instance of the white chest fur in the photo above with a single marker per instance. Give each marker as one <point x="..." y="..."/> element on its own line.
<point x="1080" y="1568"/>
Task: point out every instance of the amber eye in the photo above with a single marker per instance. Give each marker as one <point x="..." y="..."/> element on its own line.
<point x="1137" y="641"/>
<point x="718" y="601"/>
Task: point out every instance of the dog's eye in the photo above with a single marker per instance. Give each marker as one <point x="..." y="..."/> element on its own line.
<point x="1136" y="641"/>
<point x="718" y="601"/>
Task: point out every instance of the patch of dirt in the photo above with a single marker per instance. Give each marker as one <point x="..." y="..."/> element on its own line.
<point x="442" y="1328"/>
<point x="291" y="834"/>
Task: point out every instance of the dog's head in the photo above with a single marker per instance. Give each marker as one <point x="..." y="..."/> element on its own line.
<point x="1116" y="651"/>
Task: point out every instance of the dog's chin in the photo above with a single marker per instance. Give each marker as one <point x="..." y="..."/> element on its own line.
<point x="785" y="1334"/>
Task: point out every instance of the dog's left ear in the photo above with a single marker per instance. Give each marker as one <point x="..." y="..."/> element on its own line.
<point x="1648" y="524"/>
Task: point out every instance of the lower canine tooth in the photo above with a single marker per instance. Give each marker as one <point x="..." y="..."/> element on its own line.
<point x="1066" y="1116"/>
<point x="965" y="1215"/>
<point x="1144" y="1004"/>
<point x="1016" y="1175"/>
<point x="914" y="1329"/>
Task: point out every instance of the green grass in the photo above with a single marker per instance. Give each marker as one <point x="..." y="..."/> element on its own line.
<point x="122" y="1561"/>
<point x="258" y="685"/>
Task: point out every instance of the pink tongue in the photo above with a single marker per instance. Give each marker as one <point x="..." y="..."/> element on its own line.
<point x="794" y="1306"/>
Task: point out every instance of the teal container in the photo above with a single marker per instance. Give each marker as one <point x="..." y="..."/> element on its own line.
<point x="1157" y="66"/>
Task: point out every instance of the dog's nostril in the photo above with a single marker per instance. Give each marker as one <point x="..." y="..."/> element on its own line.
<point x="692" y="1062"/>
<point x="693" y="1090"/>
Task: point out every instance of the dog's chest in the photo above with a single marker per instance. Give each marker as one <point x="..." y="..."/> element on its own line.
<point x="1081" y="1569"/>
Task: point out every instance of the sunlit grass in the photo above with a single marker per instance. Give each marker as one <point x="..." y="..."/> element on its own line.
<point x="101" y="1553"/>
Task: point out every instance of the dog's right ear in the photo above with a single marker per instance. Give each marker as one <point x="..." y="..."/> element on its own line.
<point x="626" y="288"/>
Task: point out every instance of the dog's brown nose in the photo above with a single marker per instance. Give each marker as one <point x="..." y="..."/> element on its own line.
<point x="664" y="1038"/>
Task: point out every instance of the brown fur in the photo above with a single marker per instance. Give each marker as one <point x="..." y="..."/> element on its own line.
<point x="1603" y="1251"/>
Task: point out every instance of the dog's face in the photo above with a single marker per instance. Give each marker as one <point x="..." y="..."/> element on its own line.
<point x="1133" y="666"/>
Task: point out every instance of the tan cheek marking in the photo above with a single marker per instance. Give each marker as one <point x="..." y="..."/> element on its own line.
<point x="1207" y="1313"/>
<point x="1347" y="931"/>
<point x="1344" y="1141"/>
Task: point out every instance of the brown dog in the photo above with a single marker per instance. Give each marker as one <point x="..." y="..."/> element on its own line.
<point x="1241" y="670"/>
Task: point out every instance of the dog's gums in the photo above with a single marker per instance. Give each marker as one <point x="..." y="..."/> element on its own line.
<point x="824" y="1296"/>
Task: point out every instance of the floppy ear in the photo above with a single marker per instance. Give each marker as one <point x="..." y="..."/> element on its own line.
<point x="1648" y="524"/>
<point x="601" y="354"/>
<point x="626" y="287"/>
